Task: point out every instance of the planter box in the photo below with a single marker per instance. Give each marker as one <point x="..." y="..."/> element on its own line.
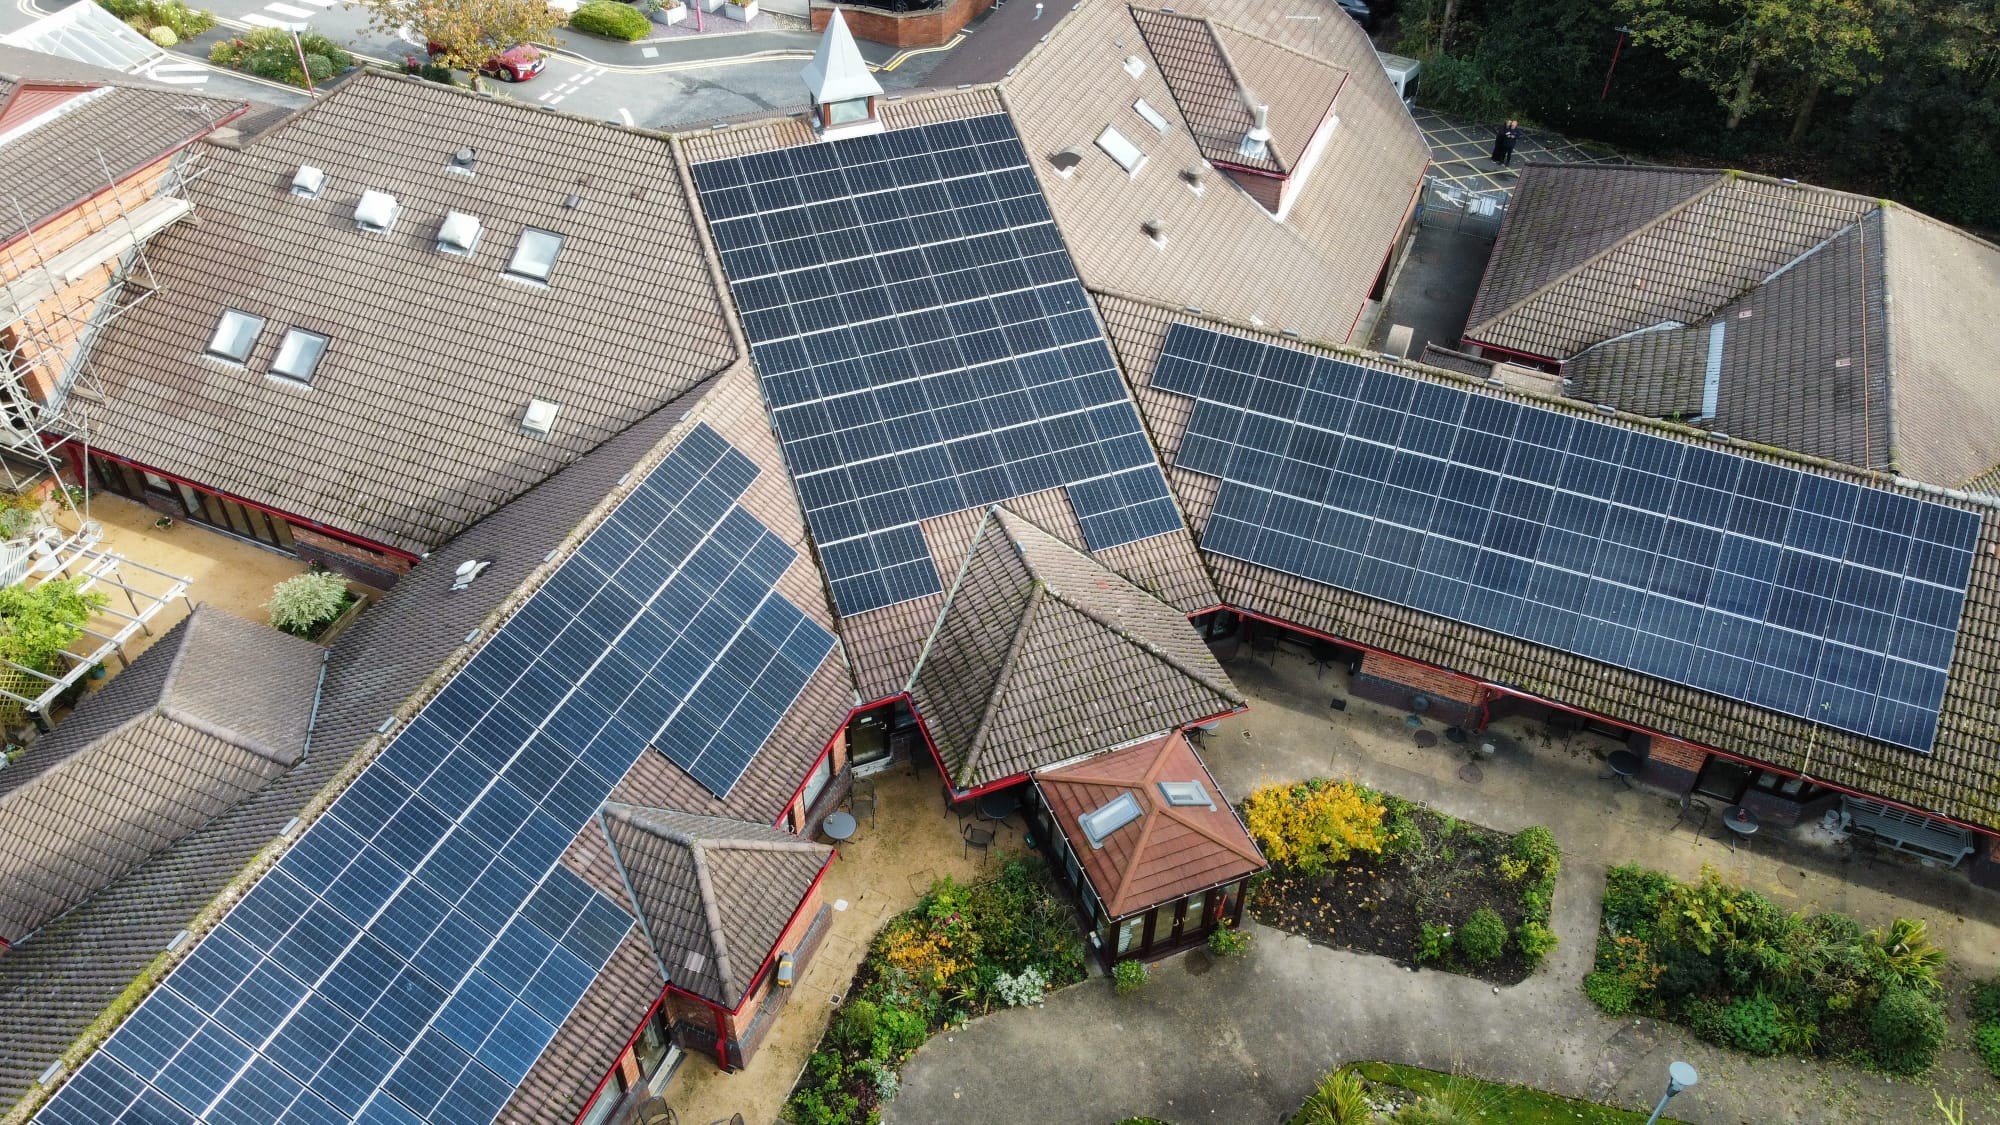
<point x="672" y="16"/>
<point x="741" y="13"/>
<point x="339" y="624"/>
<point x="712" y="5"/>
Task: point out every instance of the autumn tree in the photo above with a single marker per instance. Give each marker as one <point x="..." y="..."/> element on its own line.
<point x="466" y="33"/>
<point x="1729" y="46"/>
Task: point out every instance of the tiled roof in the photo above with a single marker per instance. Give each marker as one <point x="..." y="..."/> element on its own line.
<point x="54" y="985"/>
<point x="1310" y="273"/>
<point x="1170" y="851"/>
<point x="1959" y="779"/>
<point x="1043" y="654"/>
<point x="204" y="718"/>
<point x="1218" y="74"/>
<point x="1700" y="248"/>
<point x="67" y="159"/>
<point x="1944" y="300"/>
<point x="715" y="894"/>
<point x="411" y="429"/>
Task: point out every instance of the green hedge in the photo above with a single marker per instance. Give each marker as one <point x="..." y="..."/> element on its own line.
<point x="612" y="20"/>
<point x="146" y="15"/>
<point x="268" y="52"/>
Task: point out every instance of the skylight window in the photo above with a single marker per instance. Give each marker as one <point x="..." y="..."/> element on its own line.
<point x="298" y="355"/>
<point x="1100" y="823"/>
<point x="1151" y="116"/>
<point x="1186" y="795"/>
<point x="235" y="334"/>
<point x="1123" y="152"/>
<point x="535" y="254"/>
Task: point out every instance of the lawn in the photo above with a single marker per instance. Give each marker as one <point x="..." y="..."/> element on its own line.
<point x="958" y="954"/>
<point x="1371" y="872"/>
<point x="1390" y="1085"/>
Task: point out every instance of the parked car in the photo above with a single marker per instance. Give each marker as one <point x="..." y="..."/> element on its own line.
<point x="1361" y="10"/>
<point x="518" y="63"/>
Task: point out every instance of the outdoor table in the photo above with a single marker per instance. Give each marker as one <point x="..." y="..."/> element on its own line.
<point x="1624" y="765"/>
<point x="1741" y="822"/>
<point x="998" y="806"/>
<point x="838" y="826"/>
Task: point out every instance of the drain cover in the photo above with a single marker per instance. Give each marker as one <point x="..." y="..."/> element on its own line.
<point x="1426" y="739"/>
<point x="1471" y="774"/>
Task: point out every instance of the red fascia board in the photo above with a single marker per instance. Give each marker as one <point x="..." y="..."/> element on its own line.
<point x="823" y="752"/>
<point x="127" y="174"/>
<point x="772" y="957"/>
<point x="1225" y="166"/>
<point x="598" y="1091"/>
<point x="315" y="525"/>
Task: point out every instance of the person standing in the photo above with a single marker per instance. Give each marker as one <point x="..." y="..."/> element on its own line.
<point x="1504" y="140"/>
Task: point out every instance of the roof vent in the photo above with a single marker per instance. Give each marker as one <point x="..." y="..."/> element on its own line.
<point x="1155" y="230"/>
<point x="459" y="235"/>
<point x="1134" y="65"/>
<point x="462" y="161"/>
<point x="1257" y="142"/>
<point x="572" y="201"/>
<point x="1109" y="817"/>
<point x="1120" y="150"/>
<point x="539" y="417"/>
<point x="695" y="960"/>
<point x="467" y="571"/>
<point x="1151" y="116"/>
<point x="376" y="212"/>
<point x="1186" y="795"/>
<point x="1065" y="162"/>
<point x="1192" y="178"/>
<point x="308" y="182"/>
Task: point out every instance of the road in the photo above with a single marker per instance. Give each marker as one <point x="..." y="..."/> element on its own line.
<point x="678" y="80"/>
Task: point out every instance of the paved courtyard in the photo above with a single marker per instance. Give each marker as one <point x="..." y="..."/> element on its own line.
<point x="1460" y="148"/>
<point x="1245" y="1041"/>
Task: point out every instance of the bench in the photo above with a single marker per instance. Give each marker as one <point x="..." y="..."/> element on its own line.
<point x="1907" y="832"/>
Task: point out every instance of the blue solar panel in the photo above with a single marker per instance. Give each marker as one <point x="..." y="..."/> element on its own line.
<point x="411" y="956"/>
<point x="925" y="346"/>
<point x="1804" y="594"/>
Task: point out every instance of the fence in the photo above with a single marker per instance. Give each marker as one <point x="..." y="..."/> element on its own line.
<point x="1448" y="206"/>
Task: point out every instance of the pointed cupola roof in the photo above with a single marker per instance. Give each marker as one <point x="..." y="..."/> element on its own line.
<point x="837" y="72"/>
<point x="713" y="894"/>
<point x="1043" y="655"/>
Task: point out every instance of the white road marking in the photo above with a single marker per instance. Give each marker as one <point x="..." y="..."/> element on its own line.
<point x="557" y="100"/>
<point x="586" y="80"/>
<point x="178" y="74"/>
<point x="625" y="115"/>
<point x="544" y="95"/>
<point x="289" y="11"/>
<point x="259" y="19"/>
<point x="650" y="52"/>
<point x="320" y="3"/>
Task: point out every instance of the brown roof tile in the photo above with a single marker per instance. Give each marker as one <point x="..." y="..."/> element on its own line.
<point x="1170" y="851"/>
<point x="1943" y="292"/>
<point x="1043" y="654"/>
<point x="1218" y="75"/>
<point x="411" y="428"/>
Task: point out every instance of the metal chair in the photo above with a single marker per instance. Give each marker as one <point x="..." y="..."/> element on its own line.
<point x="862" y="803"/>
<point x="979" y="838"/>
<point x="1692" y="812"/>
<point x="1323" y="656"/>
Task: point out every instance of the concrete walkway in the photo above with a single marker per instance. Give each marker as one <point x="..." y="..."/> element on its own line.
<point x="1245" y="1041"/>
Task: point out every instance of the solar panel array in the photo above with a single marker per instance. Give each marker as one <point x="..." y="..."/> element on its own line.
<point x="925" y="346"/>
<point x="412" y="955"/>
<point x="1800" y="593"/>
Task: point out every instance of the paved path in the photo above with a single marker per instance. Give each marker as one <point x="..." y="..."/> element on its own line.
<point x="1245" y="1041"/>
<point x="1459" y="151"/>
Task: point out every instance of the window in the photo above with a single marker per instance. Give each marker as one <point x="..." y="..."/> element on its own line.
<point x="1151" y="116"/>
<point x="1124" y="152"/>
<point x="849" y="112"/>
<point x="535" y="254"/>
<point x="235" y="334"/>
<point x="298" y="355"/>
<point x="1114" y="814"/>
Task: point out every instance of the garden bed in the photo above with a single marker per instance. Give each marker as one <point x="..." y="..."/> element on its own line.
<point x="1363" y="1093"/>
<point x="1403" y="881"/>
<point x="1736" y="970"/>
<point x="959" y="953"/>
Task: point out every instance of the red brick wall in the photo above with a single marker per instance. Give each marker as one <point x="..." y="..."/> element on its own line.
<point x="1431" y="681"/>
<point x="370" y="568"/>
<point x="1673" y="752"/>
<point x="906" y="29"/>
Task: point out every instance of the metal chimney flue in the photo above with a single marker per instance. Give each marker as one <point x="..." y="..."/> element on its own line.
<point x="1257" y="142"/>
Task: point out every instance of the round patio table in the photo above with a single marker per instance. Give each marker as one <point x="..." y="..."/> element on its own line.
<point x="838" y="826"/>
<point x="1623" y="763"/>
<point x="1741" y="822"/>
<point x="998" y="806"/>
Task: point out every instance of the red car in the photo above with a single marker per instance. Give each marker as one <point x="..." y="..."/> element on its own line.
<point x="515" y="64"/>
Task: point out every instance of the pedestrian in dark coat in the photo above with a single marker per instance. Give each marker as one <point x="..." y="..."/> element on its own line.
<point x="1504" y="140"/>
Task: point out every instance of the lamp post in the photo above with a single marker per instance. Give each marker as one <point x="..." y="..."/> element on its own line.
<point x="1608" y="71"/>
<point x="1679" y="1077"/>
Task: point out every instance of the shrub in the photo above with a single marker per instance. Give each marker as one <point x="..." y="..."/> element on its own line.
<point x="1905" y="1031"/>
<point x="1632" y="897"/>
<point x="1535" y="941"/>
<point x="163" y="37"/>
<point x="1339" y="1099"/>
<point x="1986" y="1001"/>
<point x="150" y="15"/>
<point x="1753" y="1024"/>
<point x="1315" y="824"/>
<point x="1462" y="86"/>
<point x="1483" y="937"/>
<point x="854" y="1025"/>
<point x="1128" y="976"/>
<point x="268" y="52"/>
<point x="1536" y="846"/>
<point x="1907" y="956"/>
<point x="1433" y="941"/>
<point x="1708" y="1019"/>
<point x="1614" y="994"/>
<point x="1986" y="1041"/>
<point x="38" y="622"/>
<point x="1402" y="833"/>
<point x="1226" y="940"/>
<point x="1018" y="990"/>
<point x="303" y="604"/>
<point x="612" y="20"/>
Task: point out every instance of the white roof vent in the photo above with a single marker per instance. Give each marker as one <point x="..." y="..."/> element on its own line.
<point x="308" y="182"/>
<point x="540" y="417"/>
<point x="1065" y="162"/>
<point x="376" y="212"/>
<point x="1109" y="817"/>
<point x="459" y="235"/>
<point x="1155" y="230"/>
<point x="1257" y="142"/>
<point x="1134" y="65"/>
<point x="467" y="571"/>
<point x="464" y="161"/>
<point x="1124" y="152"/>
<point x="1186" y="795"/>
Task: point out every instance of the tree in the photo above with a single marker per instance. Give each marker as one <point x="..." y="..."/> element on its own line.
<point x="1728" y="45"/>
<point x="37" y="622"/>
<point x="466" y="32"/>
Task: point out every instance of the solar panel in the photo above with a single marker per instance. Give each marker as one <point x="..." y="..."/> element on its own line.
<point x="1804" y="594"/>
<point x="412" y="955"/>
<point x="925" y="346"/>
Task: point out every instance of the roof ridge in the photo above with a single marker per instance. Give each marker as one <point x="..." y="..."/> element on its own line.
<point x="950" y="598"/>
<point x="1722" y="179"/>
<point x="1180" y="815"/>
<point x="712" y="914"/>
<point x="631" y="892"/>
<point x="1036" y="591"/>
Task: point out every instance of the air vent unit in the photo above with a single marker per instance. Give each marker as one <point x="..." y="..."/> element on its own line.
<point x="1134" y="65"/>
<point x="308" y="182"/>
<point x="459" y="234"/>
<point x="467" y="571"/>
<point x="1065" y="162"/>
<point x="462" y="161"/>
<point x="540" y="417"/>
<point x="376" y="212"/>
